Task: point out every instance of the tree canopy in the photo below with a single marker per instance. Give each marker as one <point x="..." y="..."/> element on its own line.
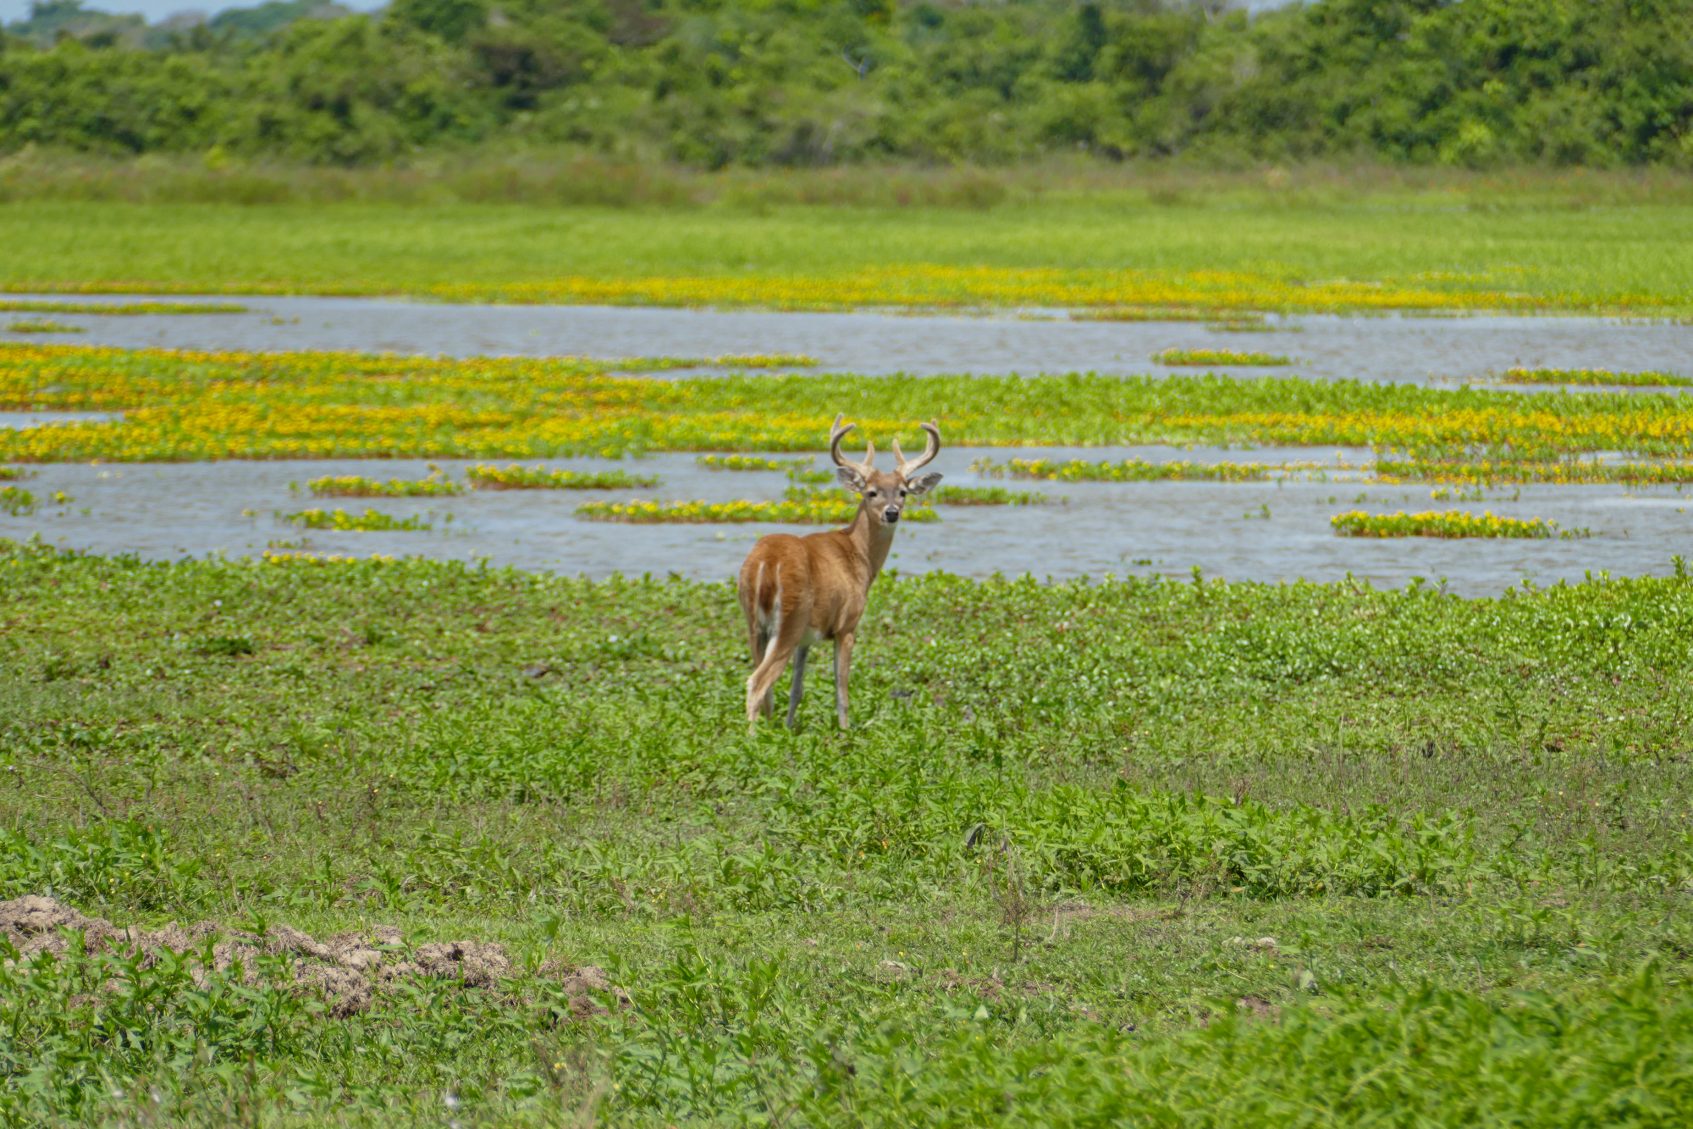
<point x="816" y="82"/>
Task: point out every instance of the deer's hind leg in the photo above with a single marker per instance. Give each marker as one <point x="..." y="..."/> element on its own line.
<point x="758" y="637"/>
<point x="798" y="687"/>
<point x="790" y="633"/>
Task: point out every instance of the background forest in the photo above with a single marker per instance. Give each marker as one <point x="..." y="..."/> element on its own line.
<point x="715" y="83"/>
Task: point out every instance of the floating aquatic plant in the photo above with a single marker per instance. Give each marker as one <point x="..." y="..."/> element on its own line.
<point x="1128" y="470"/>
<point x="765" y="360"/>
<point x="808" y="510"/>
<point x="190" y="405"/>
<point x="356" y="486"/>
<point x="43" y="325"/>
<point x="1444" y="523"/>
<point x="484" y="477"/>
<point x="1559" y="471"/>
<point x="117" y="309"/>
<point x="1196" y="357"/>
<point x="745" y="462"/>
<point x="17" y="501"/>
<point x="983" y="496"/>
<point x="371" y="521"/>
<point x="1246" y="323"/>
<point x="1596" y="376"/>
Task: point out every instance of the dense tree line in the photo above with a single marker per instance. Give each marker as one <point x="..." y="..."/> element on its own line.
<point x="816" y="82"/>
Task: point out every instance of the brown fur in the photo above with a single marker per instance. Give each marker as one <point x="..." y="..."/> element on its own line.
<point x="798" y="590"/>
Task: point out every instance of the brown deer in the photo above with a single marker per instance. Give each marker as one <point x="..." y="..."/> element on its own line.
<point x="797" y="590"/>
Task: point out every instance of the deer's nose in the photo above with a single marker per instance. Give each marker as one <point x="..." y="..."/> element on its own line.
<point x="891" y="513"/>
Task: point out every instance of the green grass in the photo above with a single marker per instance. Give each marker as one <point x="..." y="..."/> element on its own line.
<point x="1092" y="852"/>
<point x="1210" y="243"/>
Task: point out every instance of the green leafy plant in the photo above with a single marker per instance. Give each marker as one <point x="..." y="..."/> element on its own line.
<point x="1443" y="523"/>
<point x="371" y="521"/>
<point x="485" y="477"/>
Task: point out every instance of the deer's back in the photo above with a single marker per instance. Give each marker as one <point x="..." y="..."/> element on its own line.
<point x="818" y="578"/>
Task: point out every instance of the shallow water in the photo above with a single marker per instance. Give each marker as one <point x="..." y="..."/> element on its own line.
<point x="1400" y="349"/>
<point x="16" y="421"/>
<point x="1262" y="531"/>
<point x="164" y="511"/>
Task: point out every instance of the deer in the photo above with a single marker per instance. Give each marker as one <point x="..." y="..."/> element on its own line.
<point x="798" y="590"/>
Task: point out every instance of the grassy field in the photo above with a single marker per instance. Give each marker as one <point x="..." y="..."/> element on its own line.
<point x="1158" y="851"/>
<point x="1159" y="242"/>
<point x="481" y="847"/>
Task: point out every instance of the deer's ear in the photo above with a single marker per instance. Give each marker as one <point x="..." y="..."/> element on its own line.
<point x="922" y="484"/>
<point x="850" y="478"/>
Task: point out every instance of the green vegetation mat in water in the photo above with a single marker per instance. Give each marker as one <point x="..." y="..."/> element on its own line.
<point x="1445" y="523"/>
<point x="485" y="477"/>
<point x="43" y="325"/>
<point x="1596" y="377"/>
<point x="181" y="405"/>
<point x="367" y="522"/>
<point x="358" y="486"/>
<point x="1187" y="852"/>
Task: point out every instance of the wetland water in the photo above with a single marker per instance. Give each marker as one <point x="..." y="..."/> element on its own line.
<point x="164" y="511"/>
<point x="1262" y="531"/>
<point x="1400" y="349"/>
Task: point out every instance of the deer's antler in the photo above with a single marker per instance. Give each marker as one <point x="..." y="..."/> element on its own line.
<point x="836" y="434"/>
<point x="933" y="448"/>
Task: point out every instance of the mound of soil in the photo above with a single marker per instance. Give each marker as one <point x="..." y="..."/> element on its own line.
<point x="348" y="969"/>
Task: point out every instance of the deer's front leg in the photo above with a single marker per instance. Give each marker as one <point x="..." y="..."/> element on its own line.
<point x="843" y="666"/>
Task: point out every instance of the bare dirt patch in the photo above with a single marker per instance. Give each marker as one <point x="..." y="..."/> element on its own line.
<point x="348" y="969"/>
<point x="994" y="987"/>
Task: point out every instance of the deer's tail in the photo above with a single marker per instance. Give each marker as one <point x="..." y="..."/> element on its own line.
<point x="760" y="591"/>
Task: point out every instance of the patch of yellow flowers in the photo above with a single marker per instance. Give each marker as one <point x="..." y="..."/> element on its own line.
<point x="1565" y="472"/>
<point x="936" y="285"/>
<point x="186" y="405"/>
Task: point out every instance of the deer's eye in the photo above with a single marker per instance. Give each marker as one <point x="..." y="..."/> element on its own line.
<point x="902" y="493"/>
<point x="872" y="493"/>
